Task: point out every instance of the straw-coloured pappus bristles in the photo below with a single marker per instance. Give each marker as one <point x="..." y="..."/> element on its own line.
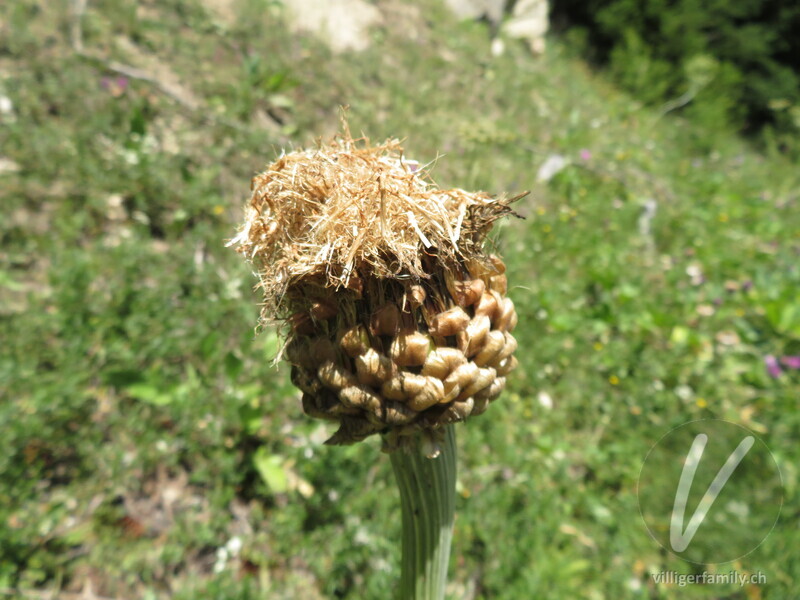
<point x="397" y="321"/>
<point x="347" y="209"/>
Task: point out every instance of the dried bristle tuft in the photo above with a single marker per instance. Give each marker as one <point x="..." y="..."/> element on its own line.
<point x="397" y="321"/>
<point x="348" y="209"/>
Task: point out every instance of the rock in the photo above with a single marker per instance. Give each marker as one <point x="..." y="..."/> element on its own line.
<point x="8" y="166"/>
<point x="551" y="167"/>
<point x="344" y="24"/>
<point x="341" y="24"/>
<point x="475" y="9"/>
<point x="6" y="106"/>
<point x="529" y="21"/>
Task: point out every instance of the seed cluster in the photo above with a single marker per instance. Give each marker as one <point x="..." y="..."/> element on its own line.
<point x="397" y="321"/>
<point x="428" y="356"/>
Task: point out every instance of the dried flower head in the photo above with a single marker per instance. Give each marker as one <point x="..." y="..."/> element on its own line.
<point x="398" y="321"/>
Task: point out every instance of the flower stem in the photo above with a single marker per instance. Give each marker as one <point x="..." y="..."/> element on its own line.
<point x="427" y="495"/>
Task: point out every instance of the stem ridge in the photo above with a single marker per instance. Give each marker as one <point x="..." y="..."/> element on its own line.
<point x="427" y="496"/>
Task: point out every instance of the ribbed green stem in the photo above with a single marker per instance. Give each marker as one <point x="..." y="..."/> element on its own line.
<point x="427" y="494"/>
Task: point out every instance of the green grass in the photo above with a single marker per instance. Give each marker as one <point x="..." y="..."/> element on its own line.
<point x="144" y="427"/>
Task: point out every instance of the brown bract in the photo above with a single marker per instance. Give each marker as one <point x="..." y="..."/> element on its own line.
<point x="344" y="212"/>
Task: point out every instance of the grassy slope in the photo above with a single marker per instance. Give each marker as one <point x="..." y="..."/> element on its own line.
<point x="136" y="396"/>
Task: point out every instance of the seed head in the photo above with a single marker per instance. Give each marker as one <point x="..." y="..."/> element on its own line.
<point x="396" y="319"/>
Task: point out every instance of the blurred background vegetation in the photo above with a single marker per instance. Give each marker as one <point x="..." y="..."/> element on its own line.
<point x="149" y="447"/>
<point x="736" y="64"/>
